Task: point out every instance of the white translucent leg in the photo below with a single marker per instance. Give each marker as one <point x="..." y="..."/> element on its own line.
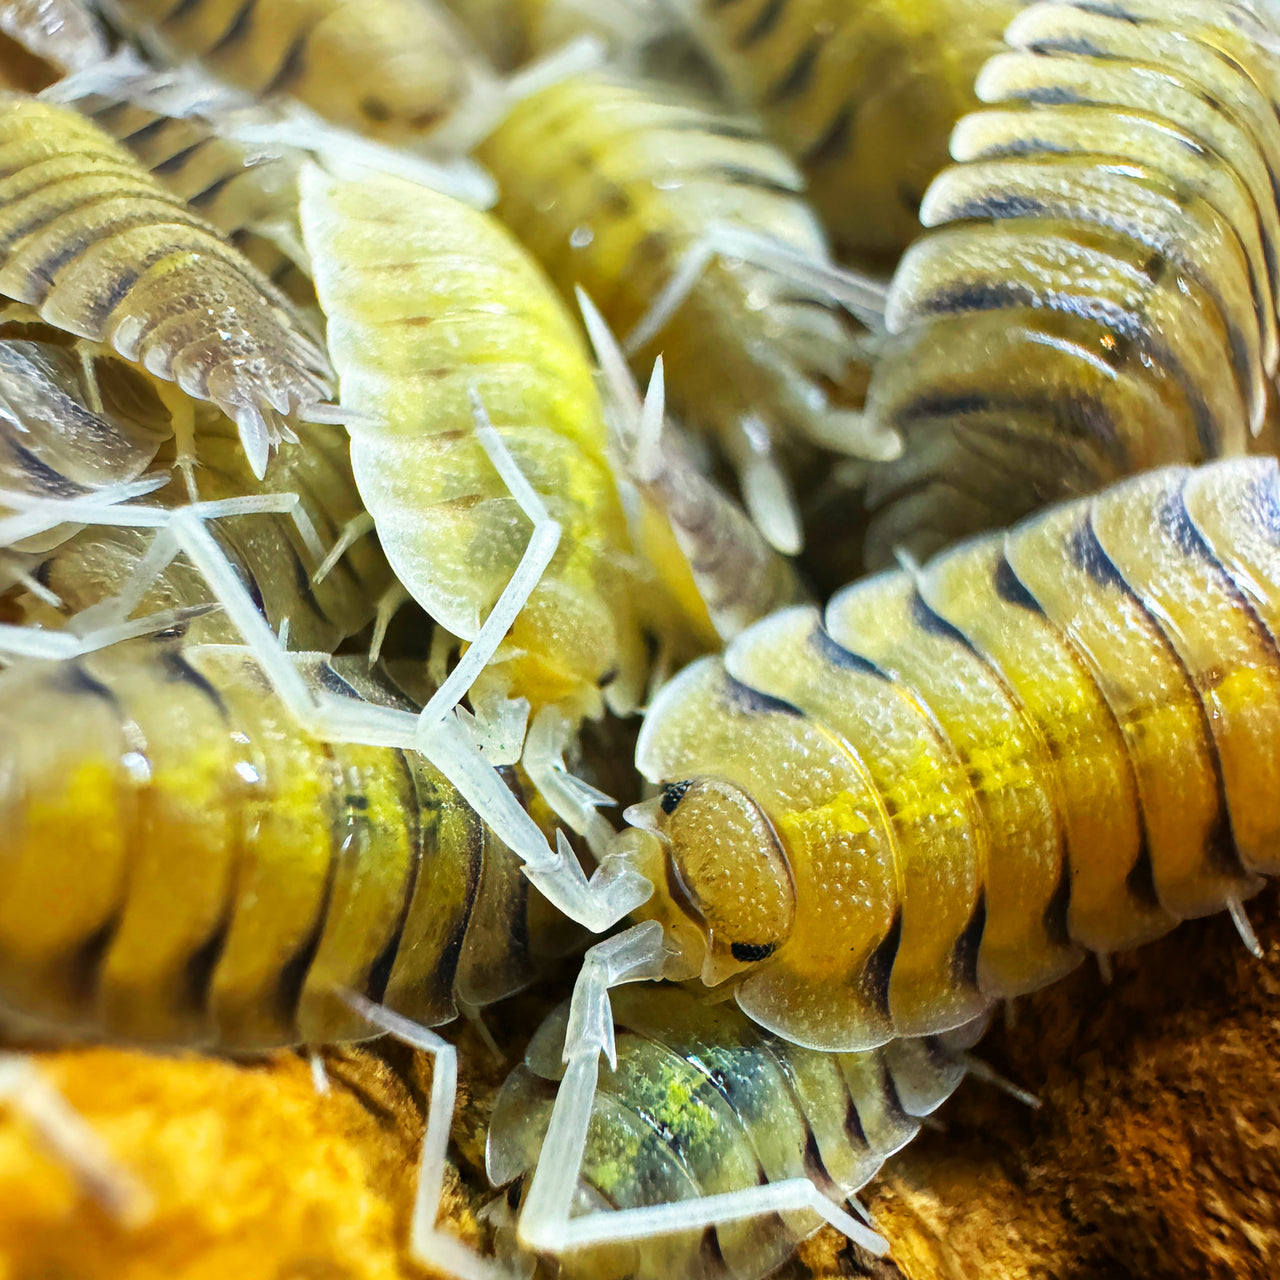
<point x="389" y="603"/>
<point x="1105" y="971"/>
<point x="437" y="1249"/>
<point x="67" y="1135"/>
<point x="1241" y="921"/>
<point x="984" y="1071"/>
<point x="349" y="155"/>
<point x="319" y="1076"/>
<point x="31" y="516"/>
<point x="35" y="642"/>
<point x="545" y="1225"/>
<point x="475" y="1018"/>
<point x="860" y="295"/>
<point x="16" y="572"/>
<point x="766" y="489"/>
<point x="575" y="802"/>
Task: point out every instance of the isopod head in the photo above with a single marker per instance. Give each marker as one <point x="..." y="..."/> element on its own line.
<point x="723" y="886"/>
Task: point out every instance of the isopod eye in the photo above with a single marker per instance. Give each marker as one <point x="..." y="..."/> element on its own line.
<point x="728" y="871"/>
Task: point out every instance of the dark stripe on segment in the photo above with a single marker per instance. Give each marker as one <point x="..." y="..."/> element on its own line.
<point x="1264" y="496"/>
<point x="1085" y="552"/>
<point x="294" y="64"/>
<point x="964" y="955"/>
<point x="179" y="158"/>
<point x="836" y="655"/>
<point x="710" y="1253"/>
<point x="873" y="982"/>
<point x="197" y="973"/>
<point x="799" y="76"/>
<point x="241" y="24"/>
<point x="380" y="970"/>
<point x="934" y="625"/>
<point x="42" y="477"/>
<point x="742" y="175"/>
<point x="148" y="130"/>
<point x="743" y="698"/>
<point x="75" y="678"/>
<point x="834" y="142"/>
<point x="83" y="968"/>
<point x="893" y="1100"/>
<point x="106" y="303"/>
<point x="182" y="9"/>
<point x="1057" y="910"/>
<point x="177" y="669"/>
<point x="1141" y="880"/>
<point x="765" y="21"/>
<point x="1011" y="590"/>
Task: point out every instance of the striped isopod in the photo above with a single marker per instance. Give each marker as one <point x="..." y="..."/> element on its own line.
<point x="96" y="247"/>
<point x="702" y="1102"/>
<point x="250" y="194"/>
<point x="1062" y="737"/>
<point x="1099" y="294"/>
<point x="862" y="93"/>
<point x="184" y="865"/>
<point x="401" y="71"/>
<point x="632" y="190"/>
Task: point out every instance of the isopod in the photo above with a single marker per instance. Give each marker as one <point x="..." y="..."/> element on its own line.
<point x="687" y="230"/>
<point x="94" y="246"/>
<point x="702" y="1103"/>
<point x="1097" y="293"/>
<point x="862" y="94"/>
<point x="941" y="792"/>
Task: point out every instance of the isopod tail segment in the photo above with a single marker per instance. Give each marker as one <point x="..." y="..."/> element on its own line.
<point x="614" y="889"/>
<point x="720" y="570"/>
<point x="545" y="1225"/>
<point x="766" y="489"/>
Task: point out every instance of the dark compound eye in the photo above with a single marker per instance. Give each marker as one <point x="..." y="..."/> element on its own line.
<point x="749" y="951"/>
<point x="673" y="793"/>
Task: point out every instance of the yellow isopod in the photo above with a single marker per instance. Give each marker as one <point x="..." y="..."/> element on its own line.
<point x="1097" y="292"/>
<point x="687" y="230"/>
<point x="861" y="93"/>
<point x="878" y="822"/>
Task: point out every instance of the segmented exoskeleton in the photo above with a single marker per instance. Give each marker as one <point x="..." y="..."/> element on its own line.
<point x="184" y="865"/>
<point x="1068" y="736"/>
<point x="98" y="248"/>
<point x="624" y="188"/>
<point x="1100" y="294"/>
<point x="402" y="71"/>
<point x="249" y="194"/>
<point x="703" y="1102"/>
<point x="862" y="93"/>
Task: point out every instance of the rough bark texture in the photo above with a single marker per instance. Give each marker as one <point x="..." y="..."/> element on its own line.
<point x="1156" y="1152"/>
